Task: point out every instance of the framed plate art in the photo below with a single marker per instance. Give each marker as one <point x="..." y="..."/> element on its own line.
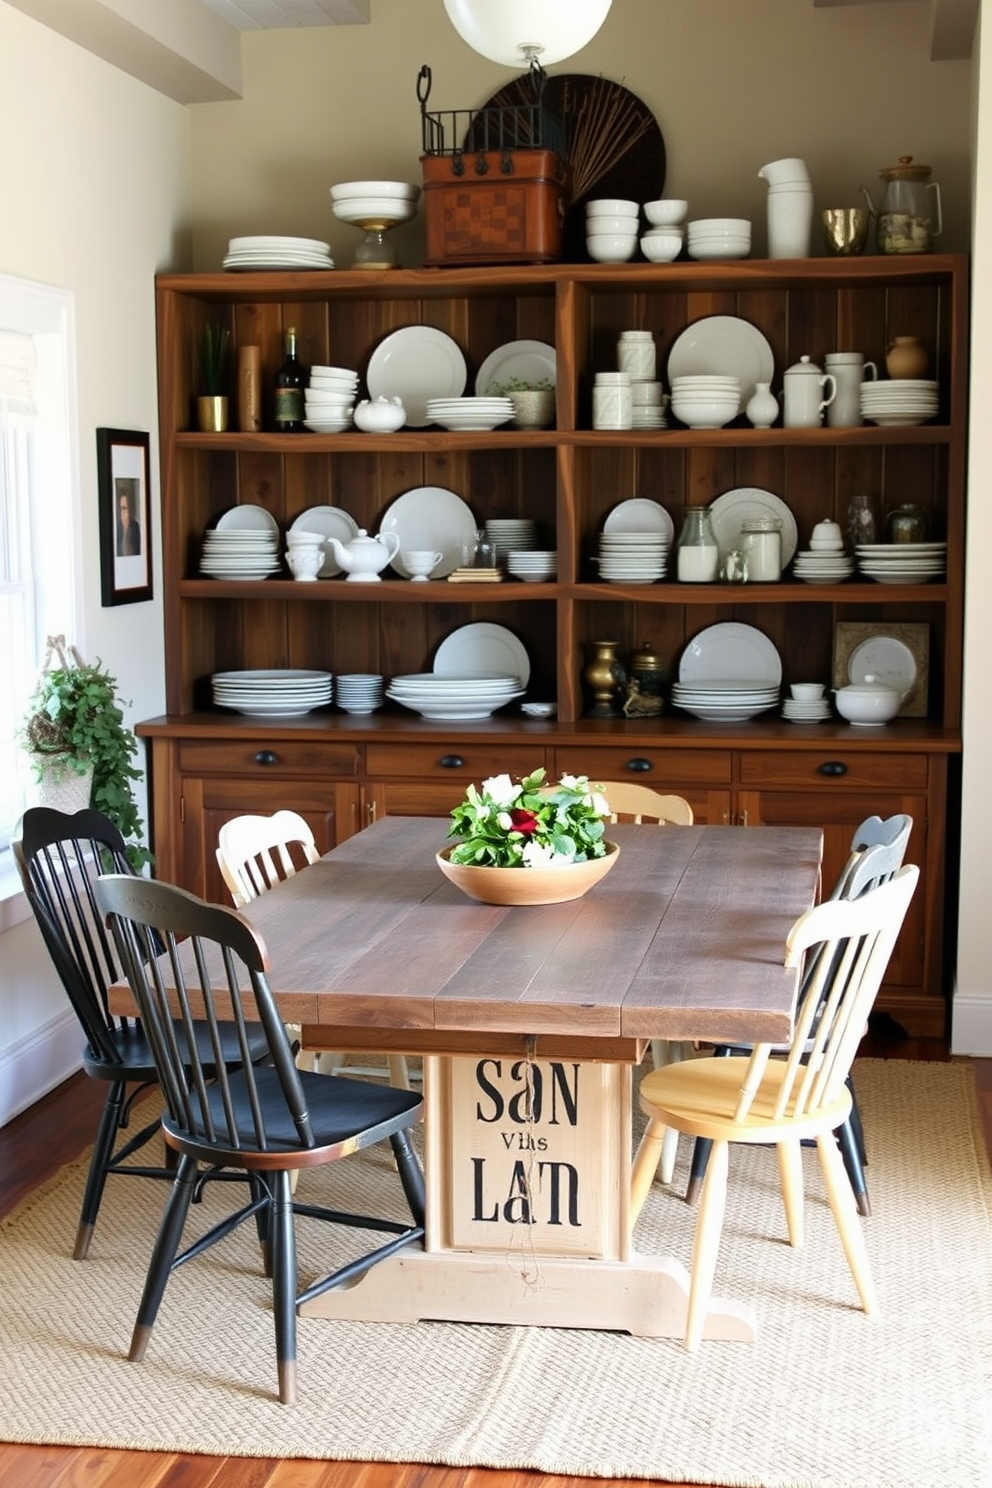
<point x="896" y="652"/>
<point x="125" y="516"/>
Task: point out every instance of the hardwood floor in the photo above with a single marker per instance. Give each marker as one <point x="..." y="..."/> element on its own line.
<point x="53" y="1132"/>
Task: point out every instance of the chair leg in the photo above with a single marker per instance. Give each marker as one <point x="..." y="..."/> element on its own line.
<point x="163" y="1254"/>
<point x="259" y="1188"/>
<point x="644" y="1166"/>
<point x="847" y="1142"/>
<point x="411" y="1174"/>
<point x="709" y="1227"/>
<point x="790" y="1171"/>
<point x="845" y="1215"/>
<point x="399" y="1075"/>
<point x="701" y="1149"/>
<point x="96" y="1178"/>
<point x="283" y="1239"/>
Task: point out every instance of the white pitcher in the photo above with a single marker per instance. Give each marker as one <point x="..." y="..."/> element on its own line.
<point x="790" y="208"/>
<point x="802" y="386"/>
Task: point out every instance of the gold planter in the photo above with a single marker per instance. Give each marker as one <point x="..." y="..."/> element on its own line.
<point x="211" y="414"/>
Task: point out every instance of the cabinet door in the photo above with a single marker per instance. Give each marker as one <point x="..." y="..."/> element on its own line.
<point x="330" y="807"/>
<point x="701" y="777"/>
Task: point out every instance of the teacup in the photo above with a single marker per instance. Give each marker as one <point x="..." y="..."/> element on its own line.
<point x="419" y="563"/>
<point x="807" y="692"/>
<point x="304" y="561"/>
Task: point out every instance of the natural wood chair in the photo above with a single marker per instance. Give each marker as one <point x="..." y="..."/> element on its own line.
<point x="253" y="854"/>
<point x="59" y="857"/>
<point x="877" y="851"/>
<point x="639" y="803"/>
<point x="758" y="1099"/>
<point x="259" y="1122"/>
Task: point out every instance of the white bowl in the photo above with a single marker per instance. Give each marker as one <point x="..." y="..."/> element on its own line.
<point x="665" y="212"/>
<point x="361" y="209"/>
<point x="739" y="225"/>
<point x="661" y="248"/>
<point x="621" y="223"/>
<point x="718" y="249"/>
<point x="402" y="189"/>
<point x="807" y="692"/>
<point x="705" y="413"/>
<point x="868" y="703"/>
<point x="610" y="206"/>
<point x="611" y="247"/>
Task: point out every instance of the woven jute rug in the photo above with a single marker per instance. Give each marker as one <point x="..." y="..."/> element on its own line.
<point x="826" y="1398"/>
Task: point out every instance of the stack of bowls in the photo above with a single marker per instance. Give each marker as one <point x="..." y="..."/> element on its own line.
<point x="706" y="402"/>
<point x="533" y="566"/>
<point x="358" y="692"/>
<point x="365" y="203"/>
<point x="611" y="229"/>
<point x="329" y="401"/>
<point x="719" y="237"/>
<point x="663" y="239"/>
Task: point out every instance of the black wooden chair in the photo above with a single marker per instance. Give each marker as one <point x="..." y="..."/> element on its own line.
<point x="59" y="857"/>
<point x="877" y="851"/>
<point x="260" y="1121"/>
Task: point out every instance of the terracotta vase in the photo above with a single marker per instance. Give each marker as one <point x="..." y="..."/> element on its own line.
<point x="905" y="356"/>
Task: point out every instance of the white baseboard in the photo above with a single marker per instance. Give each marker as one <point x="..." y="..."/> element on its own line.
<point x="971" y="1024"/>
<point x="38" y="1062"/>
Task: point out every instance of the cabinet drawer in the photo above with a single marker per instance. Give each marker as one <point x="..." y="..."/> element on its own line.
<point x="667" y="769"/>
<point x="834" y="768"/>
<point x="250" y="757"/>
<point x="445" y="761"/>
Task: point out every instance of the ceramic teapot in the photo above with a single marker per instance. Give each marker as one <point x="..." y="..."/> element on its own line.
<point x="364" y="557"/>
<point x="903" y="222"/>
<point x="380" y="415"/>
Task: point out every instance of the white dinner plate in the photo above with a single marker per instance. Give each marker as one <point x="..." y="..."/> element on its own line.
<point x="639" y="514"/>
<point x="729" y="512"/>
<point x="520" y="361"/>
<point x="329" y="521"/>
<point x="247" y="518"/>
<point x="434" y="518"/>
<point x="731" y="652"/>
<point x="414" y="364"/>
<point x="483" y="649"/>
<point x="725" y="345"/>
<point x="884" y="658"/>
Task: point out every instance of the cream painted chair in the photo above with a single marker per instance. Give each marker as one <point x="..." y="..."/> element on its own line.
<point x="760" y="1099"/>
<point x="253" y="854"/>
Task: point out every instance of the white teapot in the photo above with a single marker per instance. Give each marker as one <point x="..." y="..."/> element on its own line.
<point x="364" y="557"/>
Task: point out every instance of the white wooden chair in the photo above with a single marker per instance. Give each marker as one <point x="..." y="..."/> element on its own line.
<point x="758" y="1099"/>
<point x="253" y="854"/>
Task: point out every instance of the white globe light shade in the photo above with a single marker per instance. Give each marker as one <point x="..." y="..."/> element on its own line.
<point x="510" y="31"/>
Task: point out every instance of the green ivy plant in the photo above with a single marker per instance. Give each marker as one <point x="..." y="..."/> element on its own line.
<point x="73" y="715"/>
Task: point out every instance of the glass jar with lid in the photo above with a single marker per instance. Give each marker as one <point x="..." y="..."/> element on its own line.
<point x="698" y="552"/>
<point x="761" y="544"/>
<point x="906" y="524"/>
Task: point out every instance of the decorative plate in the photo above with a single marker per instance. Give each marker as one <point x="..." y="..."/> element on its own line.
<point x="731" y="652"/>
<point x="729" y="512"/>
<point x="727" y="346"/>
<point x="414" y="364"/>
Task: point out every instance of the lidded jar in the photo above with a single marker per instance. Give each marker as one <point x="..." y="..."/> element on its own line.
<point x="698" y="551"/>
<point x="905" y="220"/>
<point x="636" y="355"/>
<point x="906" y="524"/>
<point x="761" y="544"/>
<point x="649" y="668"/>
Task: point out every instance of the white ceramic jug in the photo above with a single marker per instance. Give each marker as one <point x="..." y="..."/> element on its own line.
<point x="849" y="369"/>
<point x="802" y="386"/>
<point x="790" y="208"/>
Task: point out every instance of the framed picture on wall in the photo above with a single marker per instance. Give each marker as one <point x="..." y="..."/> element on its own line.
<point x="125" y="516"/>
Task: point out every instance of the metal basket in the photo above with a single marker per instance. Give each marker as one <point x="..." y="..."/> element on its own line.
<point x="479" y="132"/>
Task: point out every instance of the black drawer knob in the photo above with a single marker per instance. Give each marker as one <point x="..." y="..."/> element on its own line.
<point x="266" y="757"/>
<point x="639" y="766"/>
<point x="833" y="767"/>
<point x="451" y="762"/>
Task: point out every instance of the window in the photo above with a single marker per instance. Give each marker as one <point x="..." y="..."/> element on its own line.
<point x="37" y="508"/>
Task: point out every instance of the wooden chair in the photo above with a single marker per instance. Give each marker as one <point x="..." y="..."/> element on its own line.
<point x="877" y="851"/>
<point x="59" y="857"/>
<point x="758" y="1099"/>
<point x="256" y="852"/>
<point x="259" y="1122"/>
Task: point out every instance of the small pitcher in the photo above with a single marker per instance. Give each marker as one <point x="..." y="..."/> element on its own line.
<point x="802" y="386"/>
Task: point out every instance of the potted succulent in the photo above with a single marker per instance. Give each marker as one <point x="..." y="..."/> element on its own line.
<point x="533" y="402"/>
<point x="212" y="405"/>
<point x="80" y="749"/>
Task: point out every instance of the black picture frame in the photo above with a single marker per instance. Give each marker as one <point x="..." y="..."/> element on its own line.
<point x="122" y="465"/>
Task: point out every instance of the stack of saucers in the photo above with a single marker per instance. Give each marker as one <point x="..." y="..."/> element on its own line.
<point x="900" y="400"/>
<point x="469" y="413"/>
<point x="358" y="692"/>
<point x="511" y="535"/>
<point x="263" y="251"/>
<point x="632" y="557"/>
<point x="237" y="553"/>
<point x="718" y="701"/>
<point x="532" y="567"/>
<point x="330" y="399"/>
<point x="797" y="711"/>
<point x="902" y="563"/>
<point x="719" y="237"/>
<point x="817" y="567"/>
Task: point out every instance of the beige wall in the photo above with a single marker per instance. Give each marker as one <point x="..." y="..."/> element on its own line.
<point x="732" y="84"/>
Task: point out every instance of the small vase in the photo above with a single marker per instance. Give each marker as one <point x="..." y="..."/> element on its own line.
<point x="905" y="356"/>
<point x="211" y="415"/>
<point x="762" y="406"/>
<point x="603" y="675"/>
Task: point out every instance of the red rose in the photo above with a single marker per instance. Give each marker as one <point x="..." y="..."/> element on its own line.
<point x="525" y="822"/>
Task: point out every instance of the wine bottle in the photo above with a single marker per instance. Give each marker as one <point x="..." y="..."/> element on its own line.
<point x="291" y="379"/>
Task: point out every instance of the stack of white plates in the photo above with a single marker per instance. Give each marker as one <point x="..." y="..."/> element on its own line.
<point x="533" y="567"/>
<point x="902" y="563"/>
<point x="243" y="545"/>
<point x="899" y="400"/>
<point x="511" y="535"/>
<point x="797" y="712"/>
<point x="469" y="413"/>
<point x="719" y="237"/>
<point x="445" y="696"/>
<point x="632" y="557"/>
<point x="285" y="693"/>
<point x="264" y="252"/>
<point x="724" y="700"/>
<point x="823" y="567"/>
<point x="330" y="399"/>
<point x="358" y="692"/>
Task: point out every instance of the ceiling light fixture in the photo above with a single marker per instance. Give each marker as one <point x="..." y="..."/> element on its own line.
<point x="527" y="33"/>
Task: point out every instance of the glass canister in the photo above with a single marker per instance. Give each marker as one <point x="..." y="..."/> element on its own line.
<point x="761" y="544"/>
<point x="647" y="668"/>
<point x="906" y="524"/>
<point x="698" y="551"/>
<point x="905" y="221"/>
<point x="862" y="526"/>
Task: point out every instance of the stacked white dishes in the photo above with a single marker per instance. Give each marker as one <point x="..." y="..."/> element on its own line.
<point x="825" y="561"/>
<point x="797" y="711"/>
<point x="367" y="203"/>
<point x="533" y="567"/>
<point x="647" y="406"/>
<point x="329" y="401"/>
<point x="437" y="695"/>
<point x="663" y="239"/>
<point x="729" y="672"/>
<point x="358" y="692"/>
<point x="469" y="413"/>
<point x="719" y="237"/>
<point x="611" y="229"/>
<point x="723" y="700"/>
<point x="511" y="535"/>
<point x="284" y="693"/>
<point x="264" y="252"/>
<point x="243" y="545"/>
<point x="706" y="401"/>
<point x="632" y="557"/>
<point x="902" y="563"/>
<point x="900" y="401"/>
